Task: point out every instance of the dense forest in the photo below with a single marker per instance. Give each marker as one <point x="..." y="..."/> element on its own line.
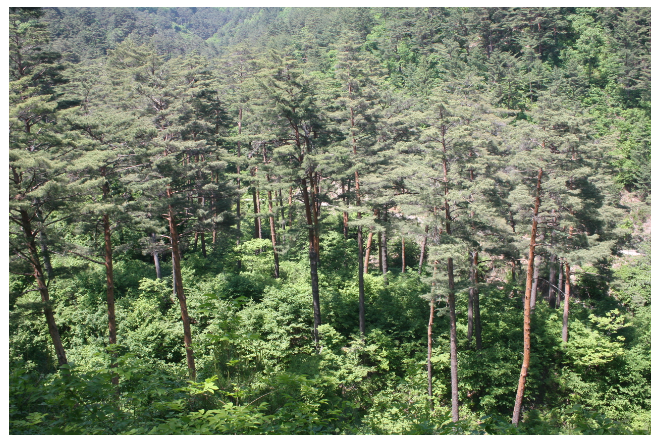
<point x="329" y="221"/>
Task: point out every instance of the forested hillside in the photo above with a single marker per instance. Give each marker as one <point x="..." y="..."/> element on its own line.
<point x="329" y="220"/>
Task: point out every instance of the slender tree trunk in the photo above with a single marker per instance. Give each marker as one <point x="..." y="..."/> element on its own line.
<point x="384" y="248"/>
<point x="537" y="264"/>
<point x="429" y="353"/>
<point x="203" y="249"/>
<point x="560" y="284"/>
<point x="471" y="299"/>
<point x="403" y="255"/>
<point x="423" y="249"/>
<point x="453" y="349"/>
<point x="272" y="227"/>
<point x="367" y="252"/>
<point x="43" y="242"/>
<point x="43" y="289"/>
<point x="451" y="297"/>
<point x="257" y="231"/>
<point x="566" y="305"/>
<point x="109" y="270"/>
<point x="156" y="258"/>
<point x="282" y="210"/>
<point x="378" y="241"/>
<point x="345" y="217"/>
<point x="289" y="205"/>
<point x="314" y="186"/>
<point x="111" y="315"/>
<point x="239" y="186"/>
<point x="527" y="320"/>
<point x="312" y="255"/>
<point x="552" y="279"/>
<point x="361" y="284"/>
<point x="175" y="252"/>
<point x="475" y="304"/>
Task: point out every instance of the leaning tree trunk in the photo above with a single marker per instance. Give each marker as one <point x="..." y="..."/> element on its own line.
<point x="175" y="252"/>
<point x="312" y="256"/>
<point x="43" y="288"/>
<point x="272" y="228"/>
<point x="528" y="291"/>
<point x="43" y="242"/>
<point x="566" y="305"/>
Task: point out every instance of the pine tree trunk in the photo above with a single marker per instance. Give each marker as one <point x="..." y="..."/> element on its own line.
<point x="367" y="252"/>
<point x="289" y="205"/>
<point x="203" y="250"/>
<point x="471" y="300"/>
<point x="109" y="270"/>
<point x="312" y="255"/>
<point x="272" y="227"/>
<point x="156" y="259"/>
<point x="378" y="241"/>
<point x="282" y="210"/>
<point x="475" y="304"/>
<point x="403" y="256"/>
<point x="239" y="186"/>
<point x="175" y="252"/>
<point x="384" y="248"/>
<point x="345" y="218"/>
<point x="43" y="289"/>
<point x="43" y="242"/>
<point x="527" y="312"/>
<point x="429" y="353"/>
<point x="314" y="186"/>
<point x="537" y="264"/>
<point x="552" y="280"/>
<point x="423" y="249"/>
<point x="566" y="305"/>
<point x="361" y="284"/>
<point x="257" y="231"/>
<point x="560" y="284"/>
<point x="451" y="298"/>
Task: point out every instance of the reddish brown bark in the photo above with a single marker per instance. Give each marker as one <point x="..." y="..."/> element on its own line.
<point x="566" y="304"/>
<point x="429" y="352"/>
<point x="527" y="312"/>
<point x="272" y="228"/>
<point x="368" y="249"/>
<point x="43" y="288"/>
<point x="313" y="256"/>
<point x="175" y="256"/>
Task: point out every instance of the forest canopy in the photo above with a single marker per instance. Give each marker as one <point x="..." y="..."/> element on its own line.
<point x="329" y="220"/>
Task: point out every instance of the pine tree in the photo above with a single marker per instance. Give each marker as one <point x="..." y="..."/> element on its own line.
<point x="297" y="125"/>
<point x="38" y="152"/>
<point x="357" y="114"/>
